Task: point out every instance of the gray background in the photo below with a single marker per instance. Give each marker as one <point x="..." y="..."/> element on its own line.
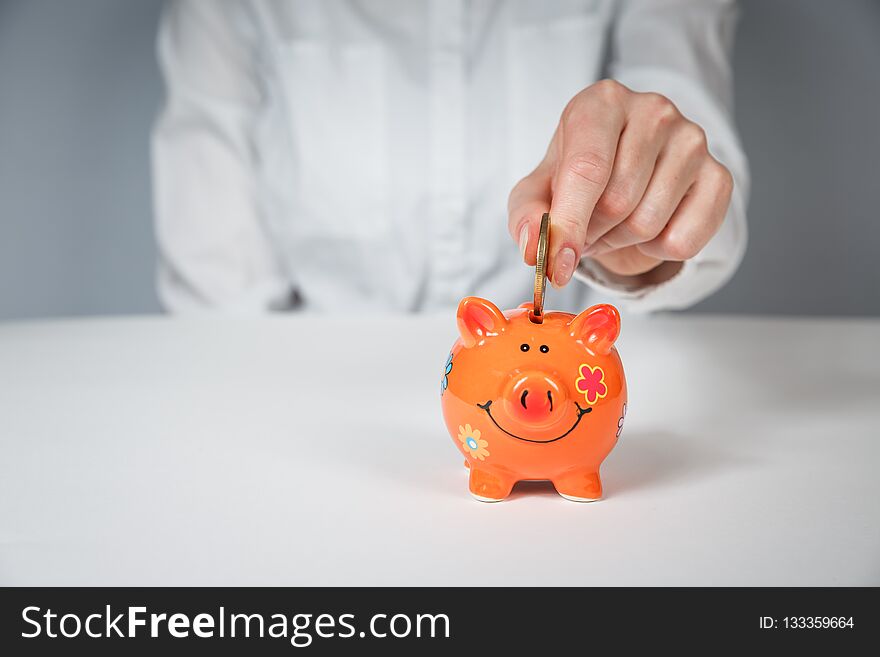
<point x="79" y="89"/>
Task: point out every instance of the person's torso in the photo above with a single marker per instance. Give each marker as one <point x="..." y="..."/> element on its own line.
<point x="393" y="131"/>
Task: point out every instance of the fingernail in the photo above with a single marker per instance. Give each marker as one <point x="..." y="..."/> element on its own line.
<point x="564" y="267"/>
<point x="524" y="239"/>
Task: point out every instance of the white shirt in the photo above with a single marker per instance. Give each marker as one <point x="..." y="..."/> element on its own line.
<point x="357" y="155"/>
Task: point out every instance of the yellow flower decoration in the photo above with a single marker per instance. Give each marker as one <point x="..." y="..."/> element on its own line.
<point x="471" y="441"/>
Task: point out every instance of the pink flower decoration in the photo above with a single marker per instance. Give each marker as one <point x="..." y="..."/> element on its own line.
<point x="591" y="382"/>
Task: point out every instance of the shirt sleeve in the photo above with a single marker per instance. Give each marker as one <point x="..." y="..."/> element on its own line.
<point x="214" y="252"/>
<point x="682" y="49"/>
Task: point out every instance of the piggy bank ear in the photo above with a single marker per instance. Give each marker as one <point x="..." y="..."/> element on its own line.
<point x="597" y="327"/>
<point x="478" y="319"/>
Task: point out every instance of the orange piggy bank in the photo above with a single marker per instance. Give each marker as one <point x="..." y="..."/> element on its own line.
<point x="527" y="400"/>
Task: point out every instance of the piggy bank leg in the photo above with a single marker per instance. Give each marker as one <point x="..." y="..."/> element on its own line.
<point x="489" y="487"/>
<point x="579" y="485"/>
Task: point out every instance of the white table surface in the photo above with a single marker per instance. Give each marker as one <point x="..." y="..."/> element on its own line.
<point x="295" y="450"/>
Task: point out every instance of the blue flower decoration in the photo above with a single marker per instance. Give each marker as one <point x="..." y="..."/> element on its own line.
<point x="444" y="383"/>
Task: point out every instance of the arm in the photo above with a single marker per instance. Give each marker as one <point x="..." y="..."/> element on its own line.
<point x="645" y="176"/>
<point x="214" y="251"/>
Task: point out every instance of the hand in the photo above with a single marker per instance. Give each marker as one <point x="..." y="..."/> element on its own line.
<point x="627" y="180"/>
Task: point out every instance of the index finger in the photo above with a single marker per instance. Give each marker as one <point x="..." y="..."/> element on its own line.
<point x="589" y="136"/>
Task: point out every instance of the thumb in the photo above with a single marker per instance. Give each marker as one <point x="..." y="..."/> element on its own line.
<point x="529" y="200"/>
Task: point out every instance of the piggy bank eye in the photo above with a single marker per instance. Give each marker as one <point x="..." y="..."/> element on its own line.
<point x="524" y="347"/>
<point x="544" y="349"/>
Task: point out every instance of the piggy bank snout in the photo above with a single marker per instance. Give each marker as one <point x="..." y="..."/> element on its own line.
<point x="535" y="398"/>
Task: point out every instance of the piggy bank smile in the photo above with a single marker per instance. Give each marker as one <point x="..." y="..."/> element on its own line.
<point x="516" y="394"/>
<point x="580" y="412"/>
